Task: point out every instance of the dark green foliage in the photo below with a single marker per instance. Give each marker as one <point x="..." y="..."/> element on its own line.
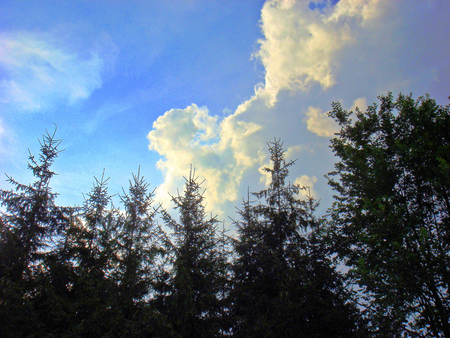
<point x="93" y="271"/>
<point x="91" y="248"/>
<point x="194" y="284"/>
<point x="30" y="225"/>
<point x="284" y="285"/>
<point x="390" y="221"/>
<point x="138" y="239"/>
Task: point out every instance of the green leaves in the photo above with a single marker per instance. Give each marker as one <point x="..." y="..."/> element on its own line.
<point x="392" y="210"/>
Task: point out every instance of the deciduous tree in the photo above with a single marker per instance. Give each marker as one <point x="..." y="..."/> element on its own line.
<point x="390" y="219"/>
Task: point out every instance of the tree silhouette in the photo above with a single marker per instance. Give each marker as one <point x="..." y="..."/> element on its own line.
<point x="30" y="227"/>
<point x="390" y="220"/>
<point x="194" y="284"/>
<point x="284" y="284"/>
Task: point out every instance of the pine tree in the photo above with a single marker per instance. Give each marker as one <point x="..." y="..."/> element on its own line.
<point x="284" y="285"/>
<point x="31" y="227"/>
<point x="194" y="286"/>
<point x="139" y="245"/>
<point x="92" y="246"/>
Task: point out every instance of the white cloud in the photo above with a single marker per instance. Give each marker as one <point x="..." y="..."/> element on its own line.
<point x="363" y="9"/>
<point x="104" y="113"/>
<point x="39" y="71"/>
<point x="349" y="52"/>
<point x="377" y="42"/>
<point x="308" y="183"/>
<point x="360" y="103"/>
<point x="299" y="45"/>
<point x="294" y="151"/>
<point x="318" y="122"/>
<point x="4" y="138"/>
<point x="220" y="151"/>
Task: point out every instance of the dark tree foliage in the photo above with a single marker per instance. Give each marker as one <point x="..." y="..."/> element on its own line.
<point x="192" y="292"/>
<point x="94" y="271"/>
<point x="284" y="285"/>
<point x="92" y="246"/>
<point x="30" y="224"/>
<point x="139" y="245"/>
<point x="390" y="220"/>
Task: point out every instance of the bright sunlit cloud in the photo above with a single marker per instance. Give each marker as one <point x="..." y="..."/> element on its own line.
<point x="305" y="52"/>
<point x="219" y="151"/>
<point x="306" y="184"/>
<point x="207" y="84"/>
<point x="318" y="122"/>
<point x="299" y="45"/>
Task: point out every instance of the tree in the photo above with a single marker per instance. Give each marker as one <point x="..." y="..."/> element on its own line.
<point x="30" y="227"/>
<point x="192" y="292"/>
<point x="390" y="219"/>
<point x="91" y="247"/>
<point x="139" y="244"/>
<point x="284" y="285"/>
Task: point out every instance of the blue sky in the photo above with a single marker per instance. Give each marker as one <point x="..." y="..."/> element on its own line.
<point x="167" y="84"/>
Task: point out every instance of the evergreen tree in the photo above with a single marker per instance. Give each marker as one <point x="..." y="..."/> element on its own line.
<point x="284" y="285"/>
<point x="139" y="244"/>
<point x="390" y="220"/>
<point x="31" y="226"/>
<point x="92" y="246"/>
<point x="194" y="285"/>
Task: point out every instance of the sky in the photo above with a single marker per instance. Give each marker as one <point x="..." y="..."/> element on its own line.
<point x="164" y="85"/>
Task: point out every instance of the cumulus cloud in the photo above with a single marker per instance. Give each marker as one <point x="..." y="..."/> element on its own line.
<point x="308" y="183"/>
<point x="360" y="103"/>
<point x="318" y="122"/>
<point x="220" y="151"/>
<point x="299" y="44"/>
<point x="38" y="71"/>
<point x="350" y="51"/>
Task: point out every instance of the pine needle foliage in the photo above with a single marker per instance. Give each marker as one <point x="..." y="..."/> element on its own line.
<point x="284" y="284"/>
<point x="31" y="225"/>
<point x="138" y="239"/>
<point x="194" y="284"/>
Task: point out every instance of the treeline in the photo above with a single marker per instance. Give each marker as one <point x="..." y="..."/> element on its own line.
<point x="97" y="271"/>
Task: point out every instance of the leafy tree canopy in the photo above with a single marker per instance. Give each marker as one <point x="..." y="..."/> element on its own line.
<point x="390" y="219"/>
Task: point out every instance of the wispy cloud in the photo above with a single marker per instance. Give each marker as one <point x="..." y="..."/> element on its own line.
<point x="6" y="138"/>
<point x="104" y="113"/>
<point x="38" y="71"/>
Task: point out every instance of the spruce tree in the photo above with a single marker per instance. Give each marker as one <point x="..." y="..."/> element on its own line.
<point x="194" y="284"/>
<point x="93" y="247"/>
<point x="31" y="226"/>
<point x="284" y="284"/>
<point x="139" y="246"/>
